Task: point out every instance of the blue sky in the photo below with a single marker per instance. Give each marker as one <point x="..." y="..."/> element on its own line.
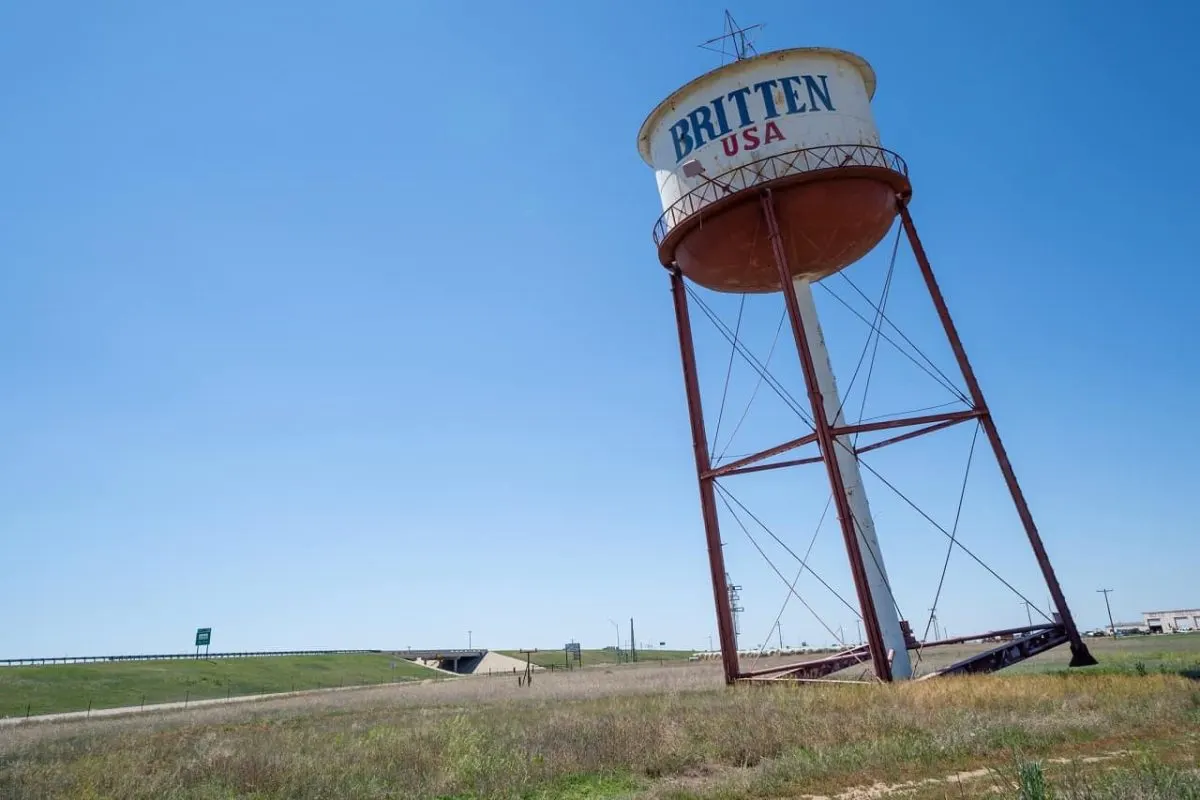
<point x="342" y="327"/>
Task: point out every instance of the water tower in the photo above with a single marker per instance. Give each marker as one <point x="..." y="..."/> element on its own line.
<point x="772" y="177"/>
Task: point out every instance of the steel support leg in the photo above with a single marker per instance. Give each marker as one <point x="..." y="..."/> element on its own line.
<point x="708" y="500"/>
<point x="825" y="439"/>
<point x="1080" y="655"/>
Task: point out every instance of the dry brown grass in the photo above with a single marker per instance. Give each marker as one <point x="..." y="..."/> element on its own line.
<point x="463" y="694"/>
<point x="658" y="731"/>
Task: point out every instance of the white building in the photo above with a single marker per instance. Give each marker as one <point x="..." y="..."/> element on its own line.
<point x="1187" y="619"/>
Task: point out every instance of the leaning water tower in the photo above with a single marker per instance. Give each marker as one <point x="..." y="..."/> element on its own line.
<point x="772" y="177"/>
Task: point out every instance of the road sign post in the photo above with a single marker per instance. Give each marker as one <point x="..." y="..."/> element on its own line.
<point x="572" y="649"/>
<point x="203" y="637"/>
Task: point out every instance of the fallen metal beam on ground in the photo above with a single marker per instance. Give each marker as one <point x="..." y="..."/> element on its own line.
<point x="812" y="669"/>
<point x="1007" y="654"/>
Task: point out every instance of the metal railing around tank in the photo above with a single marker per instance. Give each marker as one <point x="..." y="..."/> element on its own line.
<point x="774" y="167"/>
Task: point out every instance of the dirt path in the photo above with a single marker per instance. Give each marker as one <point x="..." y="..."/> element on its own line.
<point x="121" y="711"/>
<point x="885" y="790"/>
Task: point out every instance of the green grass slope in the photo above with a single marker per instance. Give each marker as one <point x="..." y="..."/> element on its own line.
<point x="71" y="687"/>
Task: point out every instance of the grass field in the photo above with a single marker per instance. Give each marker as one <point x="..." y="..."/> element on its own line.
<point x="1127" y="730"/>
<point x="72" y="687"/>
<point x="594" y="658"/>
<point x="571" y="735"/>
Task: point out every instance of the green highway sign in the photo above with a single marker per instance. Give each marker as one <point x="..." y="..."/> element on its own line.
<point x="203" y="636"/>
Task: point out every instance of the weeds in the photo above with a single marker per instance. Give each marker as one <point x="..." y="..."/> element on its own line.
<point x="465" y="740"/>
<point x="1031" y="781"/>
<point x="1148" y="779"/>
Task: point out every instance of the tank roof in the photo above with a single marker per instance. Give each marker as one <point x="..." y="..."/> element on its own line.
<point x="868" y="76"/>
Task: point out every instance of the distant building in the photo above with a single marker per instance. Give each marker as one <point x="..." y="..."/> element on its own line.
<point x="1187" y="619"/>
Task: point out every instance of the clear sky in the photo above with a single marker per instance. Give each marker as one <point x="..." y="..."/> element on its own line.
<point x="339" y="325"/>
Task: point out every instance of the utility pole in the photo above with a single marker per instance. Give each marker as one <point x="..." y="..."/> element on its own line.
<point x="1028" y="614"/>
<point x="1112" y="627"/>
<point x="734" y="608"/>
<point x="617" y="628"/>
<point x="933" y="619"/>
<point x="632" y="641"/>
<point x="779" y="630"/>
<point x="469" y="641"/>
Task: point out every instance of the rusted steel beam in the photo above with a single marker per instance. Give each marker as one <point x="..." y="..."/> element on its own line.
<point x="736" y="466"/>
<point x="883" y="425"/>
<point x="910" y="435"/>
<point x="1080" y="655"/>
<point x="813" y="669"/>
<point x="978" y="636"/>
<point x="708" y="500"/>
<point x="825" y="438"/>
<point x="823" y="681"/>
<point x="777" y="465"/>
<point x="1006" y="654"/>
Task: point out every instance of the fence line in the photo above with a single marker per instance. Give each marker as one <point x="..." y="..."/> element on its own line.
<point x="178" y="656"/>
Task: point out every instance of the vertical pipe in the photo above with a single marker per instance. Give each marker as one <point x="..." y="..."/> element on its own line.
<point x="825" y="439"/>
<point x="708" y="500"/>
<point x="856" y="494"/>
<point x="1080" y="655"/>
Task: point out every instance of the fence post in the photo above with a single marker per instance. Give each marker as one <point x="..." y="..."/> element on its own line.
<point x="143" y="701"/>
<point x="187" y="696"/>
<point x="27" y="707"/>
<point x="89" y="714"/>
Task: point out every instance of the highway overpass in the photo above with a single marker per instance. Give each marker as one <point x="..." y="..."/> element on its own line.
<point x="453" y="660"/>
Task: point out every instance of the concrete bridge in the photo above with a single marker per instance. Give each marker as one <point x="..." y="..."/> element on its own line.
<point x="460" y="661"/>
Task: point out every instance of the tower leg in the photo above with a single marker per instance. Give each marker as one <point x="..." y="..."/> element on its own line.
<point x="708" y="500"/>
<point x="877" y="579"/>
<point x="829" y="448"/>
<point x="1080" y="655"/>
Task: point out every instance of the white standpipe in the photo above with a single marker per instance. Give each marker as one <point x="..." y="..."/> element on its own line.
<point x="868" y="543"/>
